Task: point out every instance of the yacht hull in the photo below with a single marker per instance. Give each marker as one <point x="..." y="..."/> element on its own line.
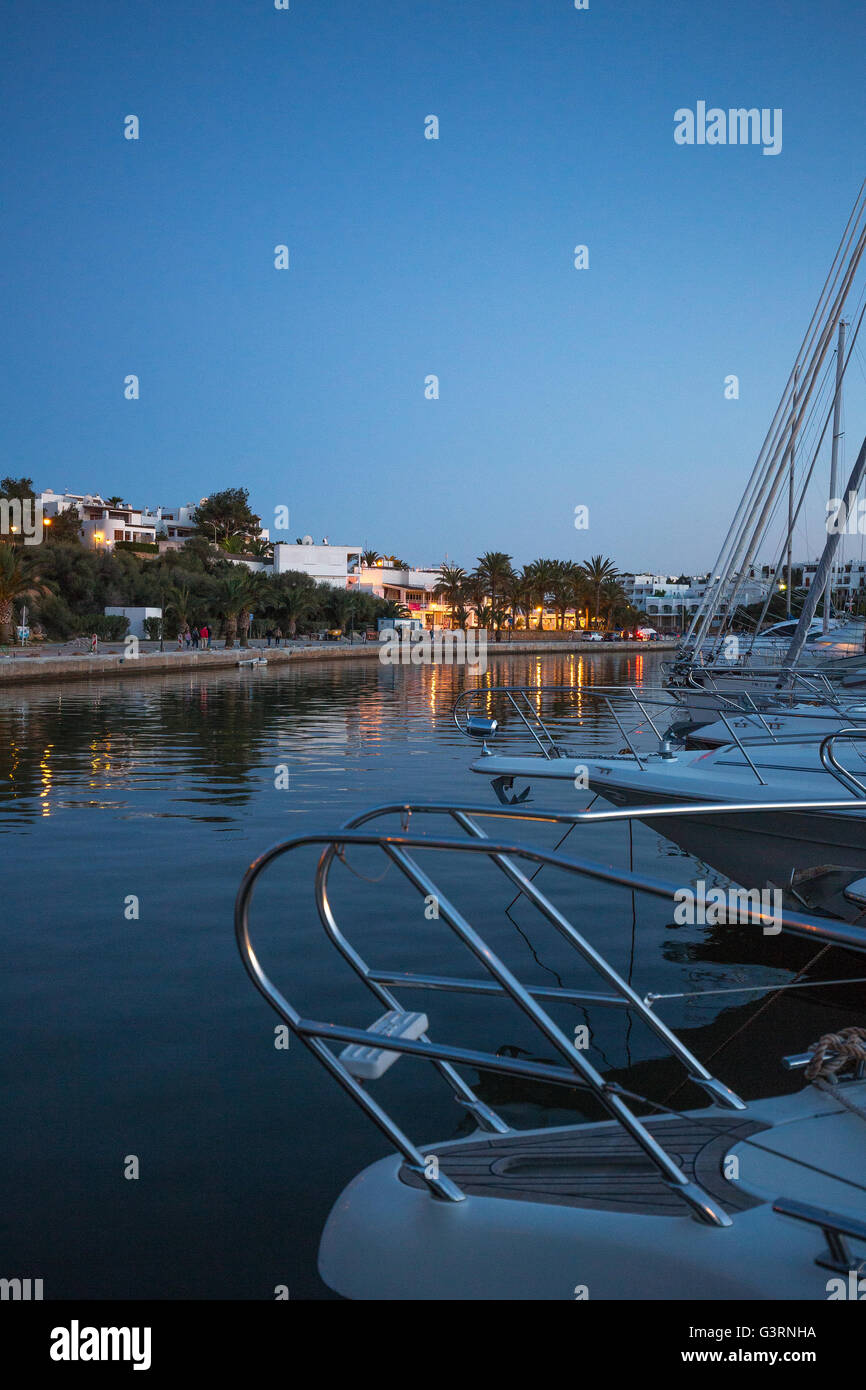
<point x="386" y="1239"/>
<point x="755" y="849"/>
<point x="762" y="849"/>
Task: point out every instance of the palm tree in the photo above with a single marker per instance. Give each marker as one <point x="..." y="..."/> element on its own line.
<point x="235" y="544"/>
<point x="614" y="602"/>
<point x="114" y="501"/>
<point x="392" y="609"/>
<point x="370" y="558"/>
<point x="579" y="593"/>
<point x="597" y="571"/>
<point x="258" y="594"/>
<point x="340" y="608"/>
<point x="294" y="596"/>
<point x="494" y="572"/>
<point x="231" y="596"/>
<point x="262" y="549"/>
<point x="562" y="587"/>
<point x="365" y="609"/>
<point x="522" y="594"/>
<point x="449" y="587"/>
<point x="18" y="579"/>
<point x="543" y="573"/>
<point x="485" y="614"/>
<point x="461" y="612"/>
<point x="474" y="598"/>
<point x="179" y="601"/>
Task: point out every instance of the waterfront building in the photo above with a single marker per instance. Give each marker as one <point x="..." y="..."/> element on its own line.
<point x="173" y="526"/>
<point x="339" y="565"/>
<point x="671" y="601"/>
<point x="103" y="523"/>
<point x="847" y="584"/>
<point x="412" y="588"/>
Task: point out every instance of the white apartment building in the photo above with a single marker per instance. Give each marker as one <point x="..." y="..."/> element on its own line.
<point x="847" y="583"/>
<point x="172" y="525"/>
<point x="102" y="523"/>
<point x="670" y="603"/>
<point x="413" y="588"/>
<point x="339" y="565"/>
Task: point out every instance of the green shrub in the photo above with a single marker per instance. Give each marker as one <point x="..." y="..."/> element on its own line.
<point x="56" y="617"/>
<point x="109" y="627"/>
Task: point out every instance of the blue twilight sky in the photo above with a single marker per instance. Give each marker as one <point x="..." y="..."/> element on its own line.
<point x="410" y="256"/>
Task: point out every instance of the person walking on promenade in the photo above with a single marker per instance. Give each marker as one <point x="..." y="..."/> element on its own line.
<point x="205" y="636"/>
<point x="269" y="635"/>
<point x="278" y="636"/>
<point x="195" y="638"/>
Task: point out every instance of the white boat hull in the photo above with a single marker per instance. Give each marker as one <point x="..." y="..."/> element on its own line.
<point x="387" y="1240"/>
<point x="753" y="849"/>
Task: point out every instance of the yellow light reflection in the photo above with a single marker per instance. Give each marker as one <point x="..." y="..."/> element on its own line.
<point x="46" y="777"/>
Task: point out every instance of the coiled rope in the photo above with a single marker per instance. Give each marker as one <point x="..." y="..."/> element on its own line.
<point x="835" y="1053"/>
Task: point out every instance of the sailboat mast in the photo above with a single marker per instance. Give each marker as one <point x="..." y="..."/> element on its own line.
<point x="825" y="567"/>
<point x="834" y="454"/>
<point x="793" y="448"/>
<point x="768" y="471"/>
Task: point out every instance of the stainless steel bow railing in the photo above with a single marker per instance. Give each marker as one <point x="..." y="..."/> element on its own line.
<point x="751" y="751"/>
<point x="573" y="1070"/>
<point x="832" y="764"/>
<point x="549" y="729"/>
<point x="549" y="732"/>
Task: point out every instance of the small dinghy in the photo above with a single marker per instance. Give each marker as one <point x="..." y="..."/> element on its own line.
<point x="758" y="1200"/>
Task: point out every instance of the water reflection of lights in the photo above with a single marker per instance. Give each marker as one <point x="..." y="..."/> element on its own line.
<point x="99" y="760"/>
<point x="47" y="777"/>
<point x="111" y="755"/>
<point x="15" y="759"/>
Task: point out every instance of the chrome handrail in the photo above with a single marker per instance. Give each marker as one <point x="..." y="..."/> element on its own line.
<point x="577" y="1072"/>
<point x="825" y="928"/>
<point x="814" y="686"/>
<point x="480" y="697"/>
<point x="835" y="1226"/>
<point x="833" y="766"/>
<point x="742" y="749"/>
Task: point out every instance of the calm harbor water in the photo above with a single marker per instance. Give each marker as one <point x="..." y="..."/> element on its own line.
<point x="142" y="1036"/>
